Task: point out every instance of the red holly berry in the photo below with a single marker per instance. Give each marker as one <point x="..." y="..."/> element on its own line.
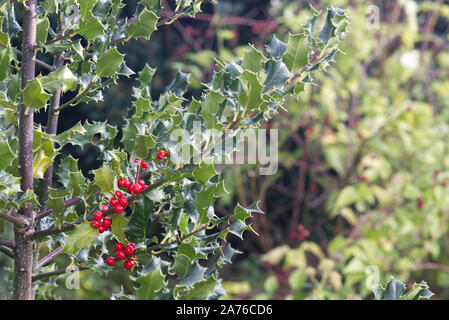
<point x="120" y="255"/>
<point x="444" y="183"/>
<point x="141" y="182"/>
<point x="113" y="202"/>
<point x="129" y="250"/>
<point x="104" y="208"/>
<point x="300" y="228"/>
<point x="106" y="223"/>
<point x="131" y="244"/>
<point x="129" y="264"/>
<point x="143" y="164"/>
<point x="420" y="203"/>
<point x="96" y="224"/>
<point x="98" y="215"/>
<point x="136" y="161"/>
<point x="327" y="118"/>
<point x="118" y="247"/>
<point x="101" y="229"/>
<point x="144" y="187"/>
<point x="118" y="209"/>
<point x="162" y="154"/>
<point x="121" y="182"/>
<point x="110" y="261"/>
<point x="137" y="188"/>
<point x="292" y="235"/>
<point x="129" y="190"/>
<point x="362" y="179"/>
<point x="123" y="201"/>
<point x="119" y="194"/>
<point x="127" y="184"/>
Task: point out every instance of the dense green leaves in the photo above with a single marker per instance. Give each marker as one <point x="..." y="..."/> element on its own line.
<point x="83" y="236"/>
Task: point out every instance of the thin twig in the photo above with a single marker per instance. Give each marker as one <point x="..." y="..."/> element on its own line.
<point x="41" y="276"/>
<point x="45" y="260"/>
<point x="7" y="251"/>
<point x="45" y="212"/>
<point x="7" y="243"/>
<point x="13" y="219"/>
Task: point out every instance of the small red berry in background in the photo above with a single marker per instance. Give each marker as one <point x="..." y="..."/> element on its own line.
<point x="162" y="154"/>
<point x="113" y="202"/>
<point x="141" y="182"/>
<point x="96" y="224"/>
<point x="123" y="201"/>
<point x="313" y="188"/>
<point x="106" y="223"/>
<point x="136" y="161"/>
<point x="129" y="264"/>
<point x="362" y="179"/>
<point x="110" y="261"/>
<point x="120" y="255"/>
<point x="101" y="229"/>
<point x="121" y="182"/>
<point x="118" y="209"/>
<point x="292" y="235"/>
<point x="420" y="203"/>
<point x="143" y="164"/>
<point x="98" y="215"/>
<point x="119" y="194"/>
<point x="118" y="247"/>
<point x="137" y="188"/>
<point x="144" y="187"/>
<point x="435" y="174"/>
<point x="300" y="228"/>
<point x="104" y="208"/>
<point x="444" y="183"/>
<point x="327" y="118"/>
<point x="131" y="244"/>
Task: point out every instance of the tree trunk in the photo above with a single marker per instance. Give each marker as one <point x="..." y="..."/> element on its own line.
<point x="23" y="251"/>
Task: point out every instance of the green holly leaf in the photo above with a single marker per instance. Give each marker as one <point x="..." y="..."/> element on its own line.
<point x="182" y="263"/>
<point x="200" y="291"/>
<point x="277" y="74"/>
<point x="204" y="172"/>
<point x="150" y="284"/>
<point x="194" y="274"/>
<point x="105" y="178"/>
<point x="276" y="48"/>
<point x="253" y="60"/>
<point x="6" y="155"/>
<point x="42" y="30"/>
<point x="394" y="289"/>
<point x="91" y="29"/>
<point x="109" y="63"/>
<point x="40" y="164"/>
<point x="83" y="236"/>
<point x="5" y="60"/>
<point x="142" y="26"/>
<point x="86" y="7"/>
<point x="146" y="74"/>
<point x="137" y="226"/>
<point x="34" y="95"/>
<point x="251" y="98"/>
<point x="119" y="224"/>
<point x="62" y="79"/>
<point x="297" y="55"/>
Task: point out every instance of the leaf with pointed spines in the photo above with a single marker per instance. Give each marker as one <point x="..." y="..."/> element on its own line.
<point x="6" y="155"/>
<point x="42" y="30"/>
<point x="118" y="227"/>
<point x="86" y="7"/>
<point x="251" y="98"/>
<point x="194" y="274"/>
<point x="105" y="179"/>
<point x="91" y="29"/>
<point x="83" y="236"/>
<point x="150" y="284"/>
<point x="109" y="63"/>
<point x="253" y="59"/>
<point x="62" y="79"/>
<point x="296" y="56"/>
<point x="143" y="26"/>
<point x="34" y="95"/>
<point x="277" y="75"/>
<point x="276" y="48"/>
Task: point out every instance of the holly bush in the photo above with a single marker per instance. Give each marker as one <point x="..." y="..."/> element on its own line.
<point x="144" y="203"/>
<point x="363" y="166"/>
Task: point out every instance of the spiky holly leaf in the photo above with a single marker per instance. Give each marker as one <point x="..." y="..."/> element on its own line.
<point x="83" y="236"/>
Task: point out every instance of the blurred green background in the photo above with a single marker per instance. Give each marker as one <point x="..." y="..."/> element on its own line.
<point x="363" y="181"/>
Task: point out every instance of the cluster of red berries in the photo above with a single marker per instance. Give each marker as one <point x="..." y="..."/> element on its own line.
<point x="162" y="154"/>
<point x="101" y="223"/>
<point x="121" y="252"/>
<point x="300" y="234"/>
